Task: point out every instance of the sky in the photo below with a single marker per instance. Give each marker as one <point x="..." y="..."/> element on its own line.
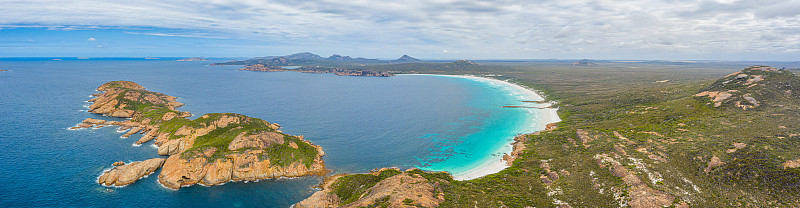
<point x="766" y="30"/>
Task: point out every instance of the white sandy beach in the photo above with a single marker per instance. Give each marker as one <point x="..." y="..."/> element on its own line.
<point x="496" y="163"/>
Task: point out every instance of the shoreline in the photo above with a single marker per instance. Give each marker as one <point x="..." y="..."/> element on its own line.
<point x="497" y="163"/>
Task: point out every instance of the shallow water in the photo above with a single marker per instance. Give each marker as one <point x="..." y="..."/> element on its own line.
<point x="432" y="122"/>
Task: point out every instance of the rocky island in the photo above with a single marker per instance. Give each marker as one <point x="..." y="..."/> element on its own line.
<point x="194" y="59"/>
<point x="210" y="150"/>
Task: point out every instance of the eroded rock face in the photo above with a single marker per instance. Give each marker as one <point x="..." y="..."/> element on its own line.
<point x="124" y="174"/>
<point x="247" y="166"/>
<point x="400" y="187"/>
<point x="584" y="137"/>
<point x="179" y="172"/>
<point x="324" y="198"/>
<point x="716" y="96"/>
<point x="713" y="163"/>
<point x="792" y="164"/>
<point x="641" y="195"/>
<point x="752" y="88"/>
<point x="260" y="141"/>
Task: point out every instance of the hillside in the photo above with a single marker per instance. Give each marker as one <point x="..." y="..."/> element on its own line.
<point x="753" y="87"/>
<point x="626" y="140"/>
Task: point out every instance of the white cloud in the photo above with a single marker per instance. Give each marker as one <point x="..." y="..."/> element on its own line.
<point x="477" y="29"/>
<point x="91" y="39"/>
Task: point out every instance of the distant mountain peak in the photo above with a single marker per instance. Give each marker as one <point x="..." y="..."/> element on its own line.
<point x="303" y="55"/>
<point x="340" y="57"/>
<point x="464" y="63"/>
<point x="407" y="58"/>
<point x="584" y="62"/>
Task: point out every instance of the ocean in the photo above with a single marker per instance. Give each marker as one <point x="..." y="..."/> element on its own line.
<point x="440" y="123"/>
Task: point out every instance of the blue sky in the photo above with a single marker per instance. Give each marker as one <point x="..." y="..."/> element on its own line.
<point x="428" y="29"/>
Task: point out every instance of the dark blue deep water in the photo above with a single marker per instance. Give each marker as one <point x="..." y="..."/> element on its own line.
<point x="362" y="123"/>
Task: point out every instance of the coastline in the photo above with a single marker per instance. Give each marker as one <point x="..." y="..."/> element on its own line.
<point x="497" y="163"/>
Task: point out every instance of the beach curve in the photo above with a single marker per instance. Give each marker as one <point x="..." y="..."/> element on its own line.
<point x="544" y="115"/>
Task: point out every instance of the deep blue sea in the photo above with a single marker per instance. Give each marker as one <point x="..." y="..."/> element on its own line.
<point x="362" y="123"/>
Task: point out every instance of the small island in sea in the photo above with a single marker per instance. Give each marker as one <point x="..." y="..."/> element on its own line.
<point x="213" y="149"/>
<point x="194" y="59"/>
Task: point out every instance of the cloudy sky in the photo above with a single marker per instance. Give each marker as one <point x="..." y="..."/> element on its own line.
<point x="429" y="29"/>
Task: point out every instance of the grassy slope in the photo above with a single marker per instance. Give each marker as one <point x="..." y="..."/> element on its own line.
<point x="625" y="98"/>
<point x="352" y="187"/>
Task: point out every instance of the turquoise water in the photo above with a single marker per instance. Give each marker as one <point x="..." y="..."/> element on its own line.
<point x="494" y="128"/>
<point x="433" y="122"/>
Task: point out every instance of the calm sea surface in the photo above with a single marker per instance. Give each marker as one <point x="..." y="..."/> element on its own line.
<point x="362" y="123"/>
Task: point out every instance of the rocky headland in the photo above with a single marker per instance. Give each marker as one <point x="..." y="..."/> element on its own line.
<point x="213" y="149"/>
<point x="194" y="59"/>
<point x="387" y="187"/>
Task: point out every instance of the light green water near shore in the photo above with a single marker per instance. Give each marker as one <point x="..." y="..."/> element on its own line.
<point x="480" y="153"/>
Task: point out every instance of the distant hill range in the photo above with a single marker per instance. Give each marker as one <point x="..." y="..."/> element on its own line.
<point x="307" y="58"/>
<point x="345" y="65"/>
<point x="584" y="62"/>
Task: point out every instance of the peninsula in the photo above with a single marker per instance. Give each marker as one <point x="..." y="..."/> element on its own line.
<point x="213" y="149"/>
<point x="194" y="59"/>
<point x="317" y="69"/>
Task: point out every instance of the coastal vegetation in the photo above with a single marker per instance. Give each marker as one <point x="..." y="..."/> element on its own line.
<point x="644" y="134"/>
<point x="639" y="134"/>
